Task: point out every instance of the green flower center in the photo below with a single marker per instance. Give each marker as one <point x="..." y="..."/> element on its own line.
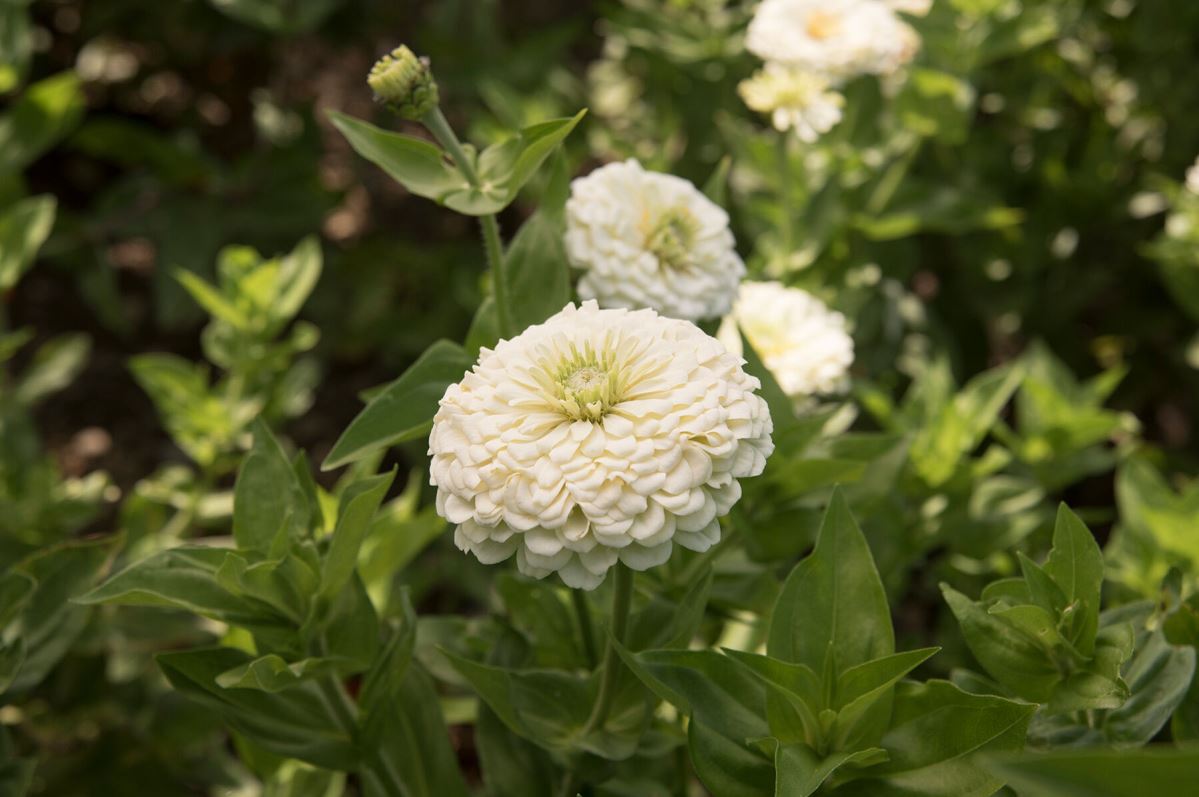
<point x="671" y="238"/>
<point x="586" y="385"/>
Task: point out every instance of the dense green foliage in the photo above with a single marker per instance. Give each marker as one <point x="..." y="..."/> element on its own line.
<point x="233" y="291"/>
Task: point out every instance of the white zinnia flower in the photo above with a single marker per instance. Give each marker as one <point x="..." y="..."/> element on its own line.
<point x="802" y="342"/>
<point x="914" y="8"/>
<point x="794" y="98"/>
<point x="841" y="38"/>
<point x="1193" y="178"/>
<point x="597" y="436"/>
<point x="646" y="239"/>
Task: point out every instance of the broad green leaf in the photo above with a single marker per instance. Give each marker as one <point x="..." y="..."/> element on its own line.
<point x="1103" y="772"/>
<point x="50" y="620"/>
<point x="800" y="772"/>
<point x="863" y="697"/>
<point x="38" y="120"/>
<point x="272" y="673"/>
<point x="268" y="499"/>
<point x="512" y="766"/>
<point x="1076" y="564"/>
<point x="16" y="588"/>
<point x="299" y="271"/>
<point x="504" y="168"/>
<point x="297" y="723"/>
<point x="383" y="682"/>
<point x="415" y="744"/>
<point x="539" y="611"/>
<point x="405" y="408"/>
<point x="727" y="766"/>
<point x="1006" y="653"/>
<point x="359" y="504"/>
<point x="716" y="187"/>
<point x="535" y="265"/>
<point x="795" y="697"/>
<point x="181" y="578"/>
<point x="484" y="329"/>
<point x="551" y="709"/>
<point x="54" y="366"/>
<point x="416" y="164"/>
<point x="936" y="730"/>
<point x="24" y="227"/>
<point x="832" y="613"/>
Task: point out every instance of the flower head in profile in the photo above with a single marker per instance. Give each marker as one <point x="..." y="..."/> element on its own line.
<point x="795" y="98"/>
<point x="802" y="342"/>
<point x="839" y="38"/>
<point x="645" y="239"/>
<point x="596" y="437"/>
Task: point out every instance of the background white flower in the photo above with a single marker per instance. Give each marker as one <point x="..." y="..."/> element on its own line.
<point x="1193" y="178"/>
<point x="795" y="98"/>
<point x="915" y="8"/>
<point x="840" y="38"/>
<point x="803" y="343"/>
<point x="646" y="239"/>
<point x="598" y="436"/>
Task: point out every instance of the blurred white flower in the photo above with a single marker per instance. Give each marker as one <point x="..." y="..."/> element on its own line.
<point x="914" y="8"/>
<point x="1193" y="178"/>
<point x="795" y="98"/>
<point x="840" y="38"/>
<point x="802" y="342"/>
<point x="597" y="436"/>
<point x="645" y="239"/>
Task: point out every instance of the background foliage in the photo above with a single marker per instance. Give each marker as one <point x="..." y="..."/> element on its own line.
<point x="200" y="277"/>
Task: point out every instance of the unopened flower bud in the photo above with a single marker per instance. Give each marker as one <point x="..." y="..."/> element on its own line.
<point x="404" y="83"/>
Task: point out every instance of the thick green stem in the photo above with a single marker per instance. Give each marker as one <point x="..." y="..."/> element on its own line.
<point x="622" y="598"/>
<point x="785" y="194"/>
<point x="499" y="277"/>
<point x="436" y="123"/>
<point x="583" y="613"/>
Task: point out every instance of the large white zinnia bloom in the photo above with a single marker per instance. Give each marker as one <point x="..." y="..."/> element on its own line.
<point x="795" y="98"/>
<point x="802" y="342"/>
<point x="645" y="239"/>
<point x="840" y="38"/>
<point x="597" y="436"/>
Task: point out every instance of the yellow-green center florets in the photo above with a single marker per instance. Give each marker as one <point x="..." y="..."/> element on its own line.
<point x="586" y="385"/>
<point x="671" y="238"/>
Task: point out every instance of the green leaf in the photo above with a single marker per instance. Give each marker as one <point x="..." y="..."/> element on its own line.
<point x="936" y="730"/>
<point x="54" y="366"/>
<point x="535" y="265"/>
<point x="1006" y="653"/>
<point x="416" y="164"/>
<point x="278" y="16"/>
<point x="800" y="772"/>
<point x="268" y="499"/>
<point x="1104" y="772"/>
<point x="796" y="696"/>
<point x="383" y="682"/>
<point x="181" y="578"/>
<point x="296" y="723"/>
<point x="16" y="45"/>
<point x="716" y="187"/>
<point x="832" y="613"/>
<point x="24" y="227"/>
<point x="727" y="766"/>
<point x="1076" y="564"/>
<point x="504" y="168"/>
<point x="359" y="503"/>
<point x="298" y="274"/>
<point x="44" y="114"/>
<point x="415" y="744"/>
<point x="935" y="104"/>
<point x="49" y="620"/>
<point x="512" y="767"/>
<point x="405" y="408"/>
<point x="211" y="299"/>
<point x="272" y="673"/>
<point x="863" y="697"/>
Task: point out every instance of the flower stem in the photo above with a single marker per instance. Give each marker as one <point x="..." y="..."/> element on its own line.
<point x="785" y="192"/>
<point x="436" y="123"/>
<point x="622" y="598"/>
<point x="583" y="613"/>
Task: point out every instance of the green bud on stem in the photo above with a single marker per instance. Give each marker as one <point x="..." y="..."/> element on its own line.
<point x="404" y="83"/>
